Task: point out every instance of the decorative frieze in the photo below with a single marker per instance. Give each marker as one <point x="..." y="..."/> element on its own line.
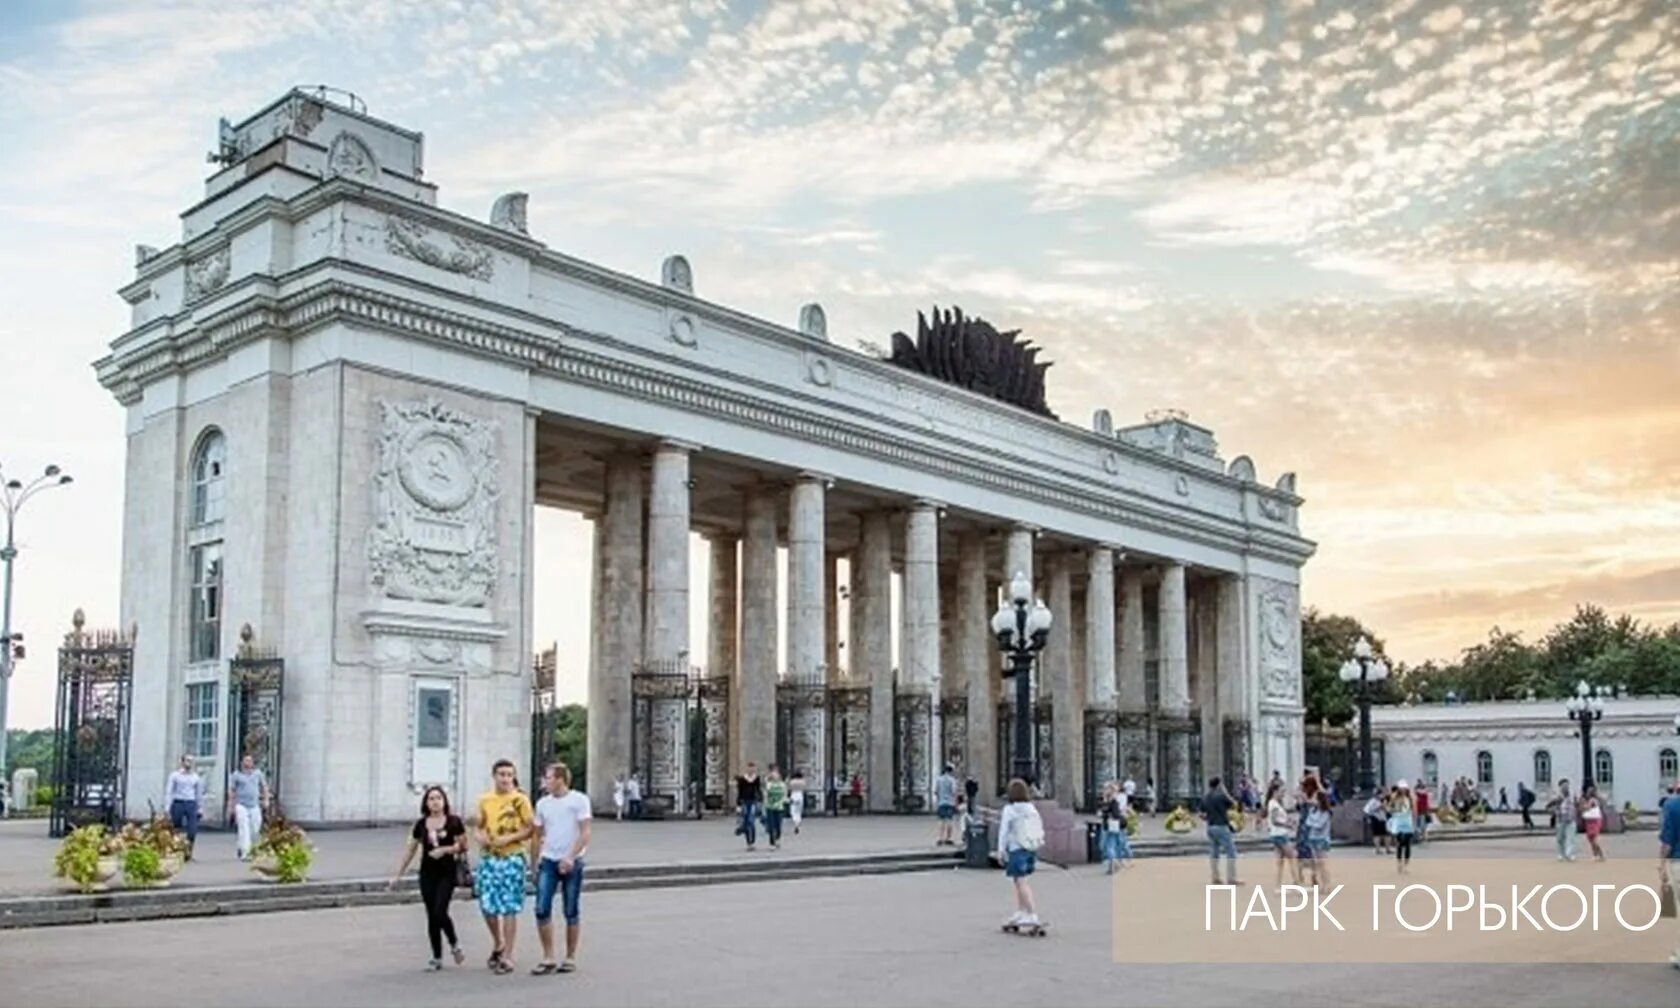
<point x="408" y="237"/>
<point x="207" y="275"/>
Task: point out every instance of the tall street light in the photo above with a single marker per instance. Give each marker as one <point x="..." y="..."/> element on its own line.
<point x="1364" y="668"/>
<point x="12" y="496"/>
<point x="1586" y="707"/>
<point x="1022" y="629"/>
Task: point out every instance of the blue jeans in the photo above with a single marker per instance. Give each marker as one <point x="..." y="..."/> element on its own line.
<point x="1116" y="845"/>
<point x="183" y="815"/>
<point x="1220" y="842"/>
<point x="749" y="822"/>
<point x="570" y="885"/>
<point x="773" y="825"/>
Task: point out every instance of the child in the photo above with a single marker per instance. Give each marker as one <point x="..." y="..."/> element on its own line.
<point x="1020" y="834"/>
<point x="1116" y="845"/>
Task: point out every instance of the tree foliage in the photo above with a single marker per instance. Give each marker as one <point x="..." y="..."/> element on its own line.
<point x="1613" y="651"/>
<point x="571" y="740"/>
<point x="30" y="748"/>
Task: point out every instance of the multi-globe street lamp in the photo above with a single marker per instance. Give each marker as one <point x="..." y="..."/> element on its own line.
<point x="1022" y="628"/>
<point x="1364" y="668"/>
<point x="13" y="494"/>
<point x="1586" y="707"/>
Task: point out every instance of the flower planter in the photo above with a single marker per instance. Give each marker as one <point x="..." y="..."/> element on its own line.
<point x="168" y="867"/>
<point x="266" y="865"/>
<point x="109" y="866"/>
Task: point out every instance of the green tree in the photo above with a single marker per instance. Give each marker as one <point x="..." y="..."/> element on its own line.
<point x="571" y="740"/>
<point x="30" y="748"/>
<point x="1500" y="668"/>
<point x="1326" y="642"/>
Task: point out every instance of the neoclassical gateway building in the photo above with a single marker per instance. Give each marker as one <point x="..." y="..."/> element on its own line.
<point x="345" y="404"/>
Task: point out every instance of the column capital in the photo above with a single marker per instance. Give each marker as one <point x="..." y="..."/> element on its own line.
<point x="927" y="503"/>
<point x="811" y="476"/>
<point x="675" y="445"/>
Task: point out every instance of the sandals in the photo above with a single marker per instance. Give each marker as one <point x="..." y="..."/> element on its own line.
<point x="543" y="969"/>
<point x="569" y="966"/>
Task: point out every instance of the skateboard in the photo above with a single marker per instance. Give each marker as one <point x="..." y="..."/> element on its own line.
<point x="1038" y="930"/>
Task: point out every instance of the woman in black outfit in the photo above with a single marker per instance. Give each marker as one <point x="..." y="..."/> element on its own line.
<point x="440" y="837"/>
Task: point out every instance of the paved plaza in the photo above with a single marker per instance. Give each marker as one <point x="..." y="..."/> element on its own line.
<point x="926" y="939"/>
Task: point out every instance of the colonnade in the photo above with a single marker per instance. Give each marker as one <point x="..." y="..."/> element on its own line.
<point x="1144" y="675"/>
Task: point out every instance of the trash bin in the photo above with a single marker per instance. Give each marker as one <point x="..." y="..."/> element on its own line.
<point x="976" y="850"/>
<point x="1093" y="842"/>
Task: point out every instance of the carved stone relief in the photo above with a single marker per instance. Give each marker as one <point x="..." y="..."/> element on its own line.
<point x="1279" y="645"/>
<point x="433" y="537"/>
<point x="206" y="276"/>
<point x="348" y="157"/>
<point x="508" y="212"/>
<point x="407" y="237"/>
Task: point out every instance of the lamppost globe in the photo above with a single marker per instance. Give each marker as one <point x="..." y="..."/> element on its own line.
<point x="1039" y="621"/>
<point x="1582" y="689"/>
<point x="1379" y="670"/>
<point x="1349" y="672"/>
<point x="1020" y="589"/>
<point x="1362" y="648"/>
<point x="1003" y="623"/>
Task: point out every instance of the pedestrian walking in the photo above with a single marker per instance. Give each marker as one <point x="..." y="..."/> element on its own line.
<point x="1562" y="807"/>
<point x="1376" y="819"/>
<point x="1592" y="818"/>
<point x="5" y="800"/>
<point x="559" y="840"/>
<point x="1525" y="802"/>
<point x="796" y="800"/>
<point x="833" y="795"/>
<point x="749" y="793"/>
<point x="1280" y="830"/>
<point x="1668" y="860"/>
<point x="1116" y="844"/>
<point x="1149" y="796"/>
<point x="633" y="795"/>
<point x="1402" y="823"/>
<point x="1425" y="813"/>
<point x="1020" y="835"/>
<point x="1318" y="838"/>
<point x="503" y="826"/>
<point x="247" y="796"/>
<point x="775" y="806"/>
<point x="185" y="790"/>
<point x="1216" y="809"/>
<point x="945" y="804"/>
<point x="618" y="796"/>
<point x="440" y="838"/>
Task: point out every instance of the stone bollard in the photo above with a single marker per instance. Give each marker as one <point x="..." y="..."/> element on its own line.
<point x="23" y="790"/>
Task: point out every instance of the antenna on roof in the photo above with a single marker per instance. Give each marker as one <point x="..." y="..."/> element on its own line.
<point x="227" y="145"/>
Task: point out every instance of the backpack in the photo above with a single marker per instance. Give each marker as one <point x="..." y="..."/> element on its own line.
<point x="1029" y="831"/>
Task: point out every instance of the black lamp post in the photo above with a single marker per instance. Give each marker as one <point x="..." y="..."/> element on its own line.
<point x="13" y="494"/>
<point x="1586" y="707"/>
<point x="1364" y="668"/>
<point x="1022" y="629"/>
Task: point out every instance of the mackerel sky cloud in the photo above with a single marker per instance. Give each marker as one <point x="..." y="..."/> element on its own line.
<point x="1425" y="254"/>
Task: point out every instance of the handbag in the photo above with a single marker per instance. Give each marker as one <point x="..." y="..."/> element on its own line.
<point x="1669" y="908"/>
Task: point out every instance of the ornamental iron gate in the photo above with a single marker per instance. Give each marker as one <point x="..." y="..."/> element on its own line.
<point x="802" y="737"/>
<point x="1102" y="752"/>
<point x="663" y="704"/>
<point x="849" y="736"/>
<point x="953" y="735"/>
<point x="90" y="745"/>
<point x="912" y="742"/>
<point x="1179" y="755"/>
<point x="1236" y="739"/>
<point x="711" y="767"/>
<point x="256" y="708"/>
<point x="545" y="715"/>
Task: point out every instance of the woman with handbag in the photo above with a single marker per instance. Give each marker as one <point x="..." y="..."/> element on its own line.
<point x="441" y="838"/>
<point x="1592" y="819"/>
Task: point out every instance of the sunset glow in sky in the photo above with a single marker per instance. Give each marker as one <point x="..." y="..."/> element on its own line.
<point x="1426" y="254"/>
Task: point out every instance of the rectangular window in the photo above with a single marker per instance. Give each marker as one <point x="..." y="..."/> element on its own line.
<point x="201" y="720"/>
<point x="204" y="633"/>
<point x="431" y="723"/>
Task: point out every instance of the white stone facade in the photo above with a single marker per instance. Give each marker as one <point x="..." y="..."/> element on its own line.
<point x="399" y="386"/>
<point x="1501" y="743"/>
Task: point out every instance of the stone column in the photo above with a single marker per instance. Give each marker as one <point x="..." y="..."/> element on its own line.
<point x="1175" y="677"/>
<point x="610" y="711"/>
<point x="1062" y="778"/>
<point x="976" y="661"/>
<point x="722" y="658"/>
<point x="806" y="625"/>
<point x="1235" y="697"/>
<point x="921" y="651"/>
<point x="1136" y="757"/>
<point x="1100" y="686"/>
<point x="1018" y="555"/>
<point x="756" y="692"/>
<point x="873" y="601"/>
<point x="665" y="649"/>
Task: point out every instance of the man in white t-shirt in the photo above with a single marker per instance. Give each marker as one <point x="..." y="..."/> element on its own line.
<point x="558" y="843"/>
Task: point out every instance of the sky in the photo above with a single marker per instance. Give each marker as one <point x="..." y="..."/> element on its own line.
<point x="1425" y="254"/>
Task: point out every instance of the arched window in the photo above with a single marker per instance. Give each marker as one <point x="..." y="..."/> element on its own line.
<point x="209" y="463"/>
<point x="1431" y="769"/>
<point x="1484" y="768"/>
<point x="1668" y="767"/>
<point x="1542" y="768"/>
<point x="1604" y="769"/>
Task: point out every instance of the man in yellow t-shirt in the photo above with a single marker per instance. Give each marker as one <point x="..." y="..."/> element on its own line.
<point x="503" y="825"/>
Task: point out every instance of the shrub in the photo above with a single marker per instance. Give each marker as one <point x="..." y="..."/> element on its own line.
<point x="141" y="865"/>
<point x="44" y="796"/>
<point x="288" y="844"/>
<point x="78" y="855"/>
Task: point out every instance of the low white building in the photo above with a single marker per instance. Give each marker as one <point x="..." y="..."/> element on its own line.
<point x="1636" y="748"/>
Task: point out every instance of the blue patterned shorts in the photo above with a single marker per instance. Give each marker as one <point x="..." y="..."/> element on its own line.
<point x="501" y="885"/>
